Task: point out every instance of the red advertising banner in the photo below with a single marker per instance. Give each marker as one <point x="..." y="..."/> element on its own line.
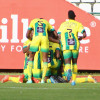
<point x="15" y="16"/>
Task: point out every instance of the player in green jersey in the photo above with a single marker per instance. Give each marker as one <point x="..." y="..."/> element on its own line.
<point x="68" y="32"/>
<point x="40" y="38"/>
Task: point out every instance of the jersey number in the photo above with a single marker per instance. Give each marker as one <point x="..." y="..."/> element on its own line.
<point x="40" y="28"/>
<point x="70" y="31"/>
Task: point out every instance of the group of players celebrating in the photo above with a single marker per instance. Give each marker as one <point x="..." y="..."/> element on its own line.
<point x="50" y="56"/>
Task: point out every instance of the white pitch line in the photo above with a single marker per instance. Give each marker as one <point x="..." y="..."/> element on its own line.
<point x="47" y="88"/>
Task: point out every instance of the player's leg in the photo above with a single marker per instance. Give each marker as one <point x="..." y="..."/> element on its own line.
<point x="74" y="65"/>
<point x="30" y="65"/>
<point x="17" y="79"/>
<point x="45" y="66"/>
<point x="34" y="47"/>
<point x="67" y="58"/>
<point x="88" y="79"/>
<point x="36" y="70"/>
<point x="44" y="50"/>
<point x="55" y="67"/>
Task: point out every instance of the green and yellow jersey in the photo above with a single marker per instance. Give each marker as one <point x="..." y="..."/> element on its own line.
<point x="40" y="26"/>
<point x="52" y="55"/>
<point x="26" y="44"/>
<point x="69" y="34"/>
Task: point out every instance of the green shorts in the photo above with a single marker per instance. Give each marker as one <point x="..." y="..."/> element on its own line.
<point x="70" y="54"/>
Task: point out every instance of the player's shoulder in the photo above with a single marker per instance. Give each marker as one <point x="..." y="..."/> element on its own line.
<point x="35" y="19"/>
<point x="79" y="23"/>
<point x="45" y="21"/>
<point x="63" y="23"/>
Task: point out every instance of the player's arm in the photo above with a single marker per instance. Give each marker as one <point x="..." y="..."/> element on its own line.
<point x="30" y="29"/>
<point x="28" y="33"/>
<point x="55" y="34"/>
<point x="52" y="31"/>
<point x="53" y="40"/>
<point x="84" y="35"/>
<point x="26" y="49"/>
<point x="58" y="54"/>
<point x="57" y="50"/>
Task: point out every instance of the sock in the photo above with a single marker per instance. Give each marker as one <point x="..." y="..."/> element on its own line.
<point x="67" y="66"/>
<point x="74" y="72"/>
<point x="29" y="66"/>
<point x="14" y="79"/>
<point x="45" y="66"/>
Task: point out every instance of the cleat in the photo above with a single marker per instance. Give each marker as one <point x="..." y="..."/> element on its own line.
<point x="21" y="78"/>
<point x="69" y="75"/>
<point x="94" y="80"/>
<point x="42" y="81"/>
<point x="73" y="83"/>
<point x="5" y="79"/>
<point x="29" y="81"/>
<point x="61" y="79"/>
<point x="35" y="80"/>
<point x="53" y="80"/>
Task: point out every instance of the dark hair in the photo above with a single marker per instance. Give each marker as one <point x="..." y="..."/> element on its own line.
<point x="41" y="18"/>
<point x="71" y="14"/>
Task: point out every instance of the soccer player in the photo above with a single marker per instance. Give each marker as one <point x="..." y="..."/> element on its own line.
<point x="26" y="47"/>
<point x="41" y="28"/>
<point x="36" y="71"/>
<point x="68" y="32"/>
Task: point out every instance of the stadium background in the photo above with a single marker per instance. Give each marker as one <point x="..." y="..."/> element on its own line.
<point x="15" y="16"/>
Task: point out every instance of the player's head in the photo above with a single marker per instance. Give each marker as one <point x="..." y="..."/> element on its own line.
<point x="71" y="14"/>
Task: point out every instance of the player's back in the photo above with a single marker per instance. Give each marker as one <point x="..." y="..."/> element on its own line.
<point x="69" y="34"/>
<point x="40" y="26"/>
<point x="52" y="49"/>
<point x="72" y="27"/>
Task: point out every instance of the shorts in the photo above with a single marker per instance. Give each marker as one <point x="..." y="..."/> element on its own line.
<point x="70" y="54"/>
<point x="41" y="41"/>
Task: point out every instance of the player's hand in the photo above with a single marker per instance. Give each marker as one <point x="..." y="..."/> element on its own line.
<point x="80" y="38"/>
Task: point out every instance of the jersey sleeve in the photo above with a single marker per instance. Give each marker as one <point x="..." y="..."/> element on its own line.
<point x="25" y="44"/>
<point x="60" y="28"/>
<point x="81" y="28"/>
<point x="31" y="25"/>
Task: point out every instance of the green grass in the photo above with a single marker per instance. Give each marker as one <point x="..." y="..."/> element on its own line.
<point x="58" y="91"/>
<point x="83" y="73"/>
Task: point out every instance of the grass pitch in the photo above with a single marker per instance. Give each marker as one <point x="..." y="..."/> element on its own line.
<point x="47" y="91"/>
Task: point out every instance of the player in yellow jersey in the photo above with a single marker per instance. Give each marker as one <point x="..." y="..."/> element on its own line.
<point x="41" y="28"/>
<point x="35" y="71"/>
<point x="68" y="32"/>
<point x="53" y="58"/>
<point x="26" y="47"/>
